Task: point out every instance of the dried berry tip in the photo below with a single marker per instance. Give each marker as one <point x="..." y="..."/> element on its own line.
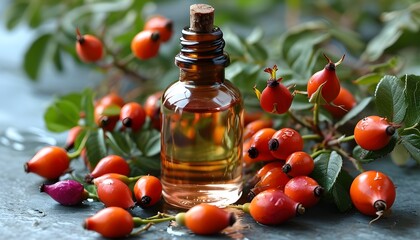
<point x="145" y="200"/>
<point x="127" y="122"/>
<point x="286" y="168"/>
<point x="390" y="130"/>
<point x="252" y="152"/>
<point x="232" y="219"/>
<point x="42" y="187"/>
<point x="380" y="205"/>
<point x="155" y="36"/>
<point x="300" y="209"/>
<point x="273" y="144"/>
<point x="318" y="191"/>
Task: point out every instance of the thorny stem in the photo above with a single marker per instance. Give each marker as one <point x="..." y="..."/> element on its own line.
<point x="355" y="162"/>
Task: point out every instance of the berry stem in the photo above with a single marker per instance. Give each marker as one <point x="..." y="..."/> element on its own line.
<point x="311" y="137"/>
<point x="79" y="150"/>
<point x="355" y="162"/>
<point x="296" y="119"/>
<point x="340" y="140"/>
<point x="158" y="218"/>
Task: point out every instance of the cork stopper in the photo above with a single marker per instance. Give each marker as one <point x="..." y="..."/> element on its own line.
<point x="201" y="18"/>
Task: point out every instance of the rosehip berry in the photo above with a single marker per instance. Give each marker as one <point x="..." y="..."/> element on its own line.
<point x="305" y="190"/>
<point x="115" y="193"/>
<point x="275" y="98"/>
<point x="161" y="24"/>
<point x="343" y="103"/>
<point x="372" y="193"/>
<point x="373" y="132"/>
<point x="273" y="207"/>
<point x="152" y="109"/>
<point x="256" y="125"/>
<point x="146" y="44"/>
<point x="109" y="164"/>
<point x="299" y="164"/>
<point x="133" y="116"/>
<point x="89" y="48"/>
<point x="258" y="150"/>
<point x="66" y="192"/>
<point x="285" y="142"/>
<point x="327" y="78"/>
<point x="111" y="222"/>
<point x="148" y="191"/>
<point x="275" y="178"/>
<point x="50" y="162"/>
<point x="205" y="219"/>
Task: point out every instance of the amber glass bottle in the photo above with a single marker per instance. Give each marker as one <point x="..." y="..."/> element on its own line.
<point x="202" y="121"/>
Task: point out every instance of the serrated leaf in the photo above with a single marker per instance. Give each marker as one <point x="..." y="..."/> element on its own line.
<point x="366" y="156"/>
<point x="33" y="58"/>
<point x="412" y="95"/>
<point x="61" y="115"/>
<point x="390" y="99"/>
<point x="96" y="147"/>
<point x="327" y="168"/>
<point x="411" y="141"/>
<point x="354" y="111"/>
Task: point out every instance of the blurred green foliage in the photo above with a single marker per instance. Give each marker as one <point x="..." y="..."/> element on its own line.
<point x="378" y="38"/>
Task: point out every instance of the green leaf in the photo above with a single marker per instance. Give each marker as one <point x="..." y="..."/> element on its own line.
<point x="142" y="165"/>
<point x="14" y="13"/>
<point x="395" y="24"/>
<point x="412" y="95"/>
<point x="58" y="62"/>
<point x="341" y="191"/>
<point x="368" y="79"/>
<point x="121" y="143"/>
<point x="148" y="141"/>
<point x="34" y="56"/>
<point x="411" y="141"/>
<point x="96" y="147"/>
<point x="88" y="108"/>
<point x="366" y="156"/>
<point x="354" y="111"/>
<point x="316" y="97"/>
<point x="327" y="169"/>
<point x="255" y="36"/>
<point x="390" y="100"/>
<point x="61" y="115"/>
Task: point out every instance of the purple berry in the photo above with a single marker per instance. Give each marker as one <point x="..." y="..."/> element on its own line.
<point x="66" y="192"/>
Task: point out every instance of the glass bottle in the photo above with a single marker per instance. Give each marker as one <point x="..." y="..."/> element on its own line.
<point x="202" y="121"/>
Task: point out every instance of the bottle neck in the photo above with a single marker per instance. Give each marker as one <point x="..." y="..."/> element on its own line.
<point x="202" y="59"/>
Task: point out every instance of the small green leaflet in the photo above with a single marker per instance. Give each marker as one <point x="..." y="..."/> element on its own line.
<point x="390" y="100"/>
<point x="327" y="168"/>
